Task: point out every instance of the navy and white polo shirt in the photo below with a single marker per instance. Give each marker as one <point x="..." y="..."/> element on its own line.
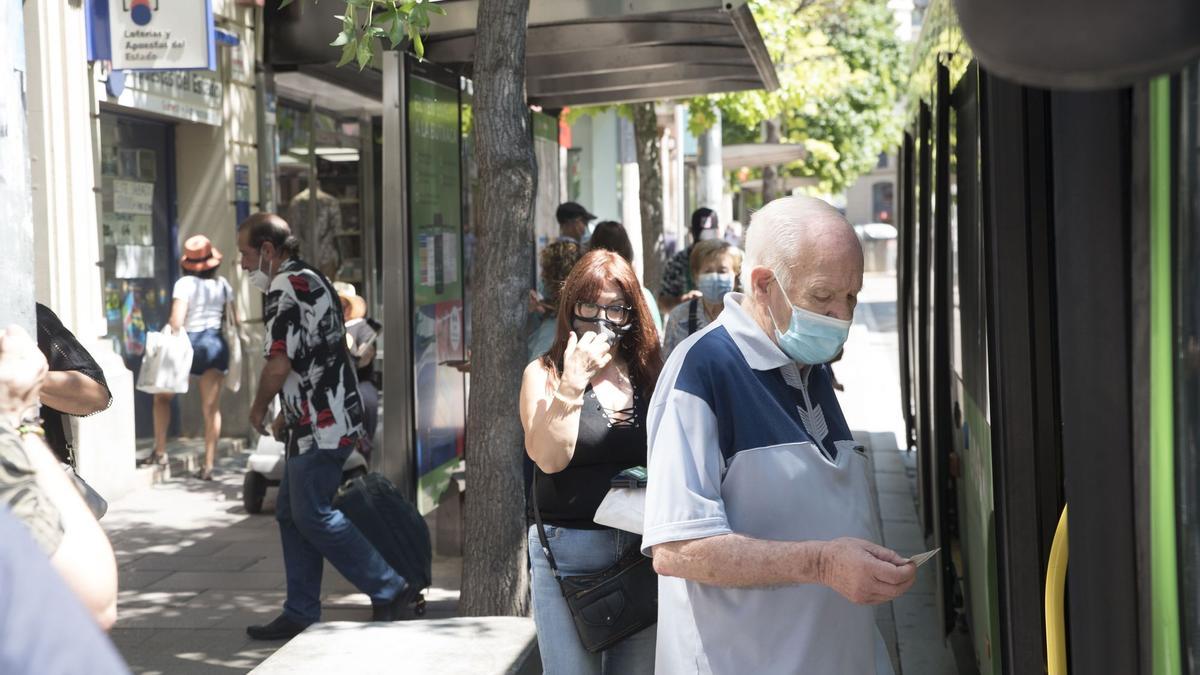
<point x="741" y="441"/>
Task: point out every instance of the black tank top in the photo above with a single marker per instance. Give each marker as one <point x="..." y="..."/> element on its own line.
<point x="608" y="443"/>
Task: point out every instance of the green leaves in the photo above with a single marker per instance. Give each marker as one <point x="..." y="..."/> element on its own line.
<point x="840" y="68"/>
<point x="366" y="24"/>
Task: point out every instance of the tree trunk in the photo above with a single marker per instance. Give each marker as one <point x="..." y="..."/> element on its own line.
<point x="645" y="129"/>
<point x="495" y="580"/>
<point x="771" y="187"/>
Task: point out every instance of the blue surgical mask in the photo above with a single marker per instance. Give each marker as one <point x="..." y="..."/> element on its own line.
<point x="714" y="286"/>
<point x="811" y="338"/>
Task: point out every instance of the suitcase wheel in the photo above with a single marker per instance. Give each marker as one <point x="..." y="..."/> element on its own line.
<point x="419" y="608"/>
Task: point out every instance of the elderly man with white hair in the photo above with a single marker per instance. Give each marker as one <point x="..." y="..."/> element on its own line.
<point x="759" y="513"/>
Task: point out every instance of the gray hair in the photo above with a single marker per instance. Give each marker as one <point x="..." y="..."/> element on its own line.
<point x="779" y="231"/>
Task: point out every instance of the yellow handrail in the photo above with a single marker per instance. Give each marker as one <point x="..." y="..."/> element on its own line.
<point x="1056" y="580"/>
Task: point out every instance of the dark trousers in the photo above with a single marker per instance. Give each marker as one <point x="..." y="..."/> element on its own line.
<point x="312" y="530"/>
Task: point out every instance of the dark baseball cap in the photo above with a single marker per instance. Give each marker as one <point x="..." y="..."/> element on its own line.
<point x="568" y="211"/>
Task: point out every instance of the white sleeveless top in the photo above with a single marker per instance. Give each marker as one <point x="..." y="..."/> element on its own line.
<point x="206" y="300"/>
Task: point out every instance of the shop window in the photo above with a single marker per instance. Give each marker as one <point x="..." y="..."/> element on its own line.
<point x="321" y="188"/>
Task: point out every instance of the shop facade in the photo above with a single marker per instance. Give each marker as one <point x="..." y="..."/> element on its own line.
<point x="127" y="164"/>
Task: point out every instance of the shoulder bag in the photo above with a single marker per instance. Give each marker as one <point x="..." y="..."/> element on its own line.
<point x="233" y="341"/>
<point x="612" y="604"/>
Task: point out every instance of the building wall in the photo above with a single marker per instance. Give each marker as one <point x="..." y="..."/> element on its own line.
<point x="64" y="95"/>
<point x="61" y="109"/>
<point x="597" y="138"/>
<point x="860" y="195"/>
<point x="205" y="160"/>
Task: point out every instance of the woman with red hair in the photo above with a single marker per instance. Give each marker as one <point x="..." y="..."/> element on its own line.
<point x="583" y="408"/>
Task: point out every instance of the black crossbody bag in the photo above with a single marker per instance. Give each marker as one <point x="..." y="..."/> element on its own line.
<point x="612" y="604"/>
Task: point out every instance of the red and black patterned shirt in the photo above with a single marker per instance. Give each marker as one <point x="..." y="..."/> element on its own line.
<point x="304" y="322"/>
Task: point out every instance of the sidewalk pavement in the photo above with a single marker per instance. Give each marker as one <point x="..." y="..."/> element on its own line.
<point x="870" y="373"/>
<point x="196" y="569"/>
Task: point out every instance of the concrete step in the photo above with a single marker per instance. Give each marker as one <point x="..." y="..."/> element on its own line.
<point x="460" y="646"/>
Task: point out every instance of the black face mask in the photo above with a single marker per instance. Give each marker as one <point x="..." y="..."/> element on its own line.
<point x="611" y="332"/>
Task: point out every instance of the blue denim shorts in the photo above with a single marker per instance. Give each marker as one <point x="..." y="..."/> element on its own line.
<point x="209" y="351"/>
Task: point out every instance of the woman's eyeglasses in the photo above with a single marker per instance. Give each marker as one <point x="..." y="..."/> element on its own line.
<point x="618" y="314"/>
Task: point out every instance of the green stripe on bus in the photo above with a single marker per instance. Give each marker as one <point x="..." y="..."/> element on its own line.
<point x="1164" y="581"/>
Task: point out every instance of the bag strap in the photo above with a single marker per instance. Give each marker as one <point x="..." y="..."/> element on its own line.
<point x="537" y="516"/>
<point x="693" y="315"/>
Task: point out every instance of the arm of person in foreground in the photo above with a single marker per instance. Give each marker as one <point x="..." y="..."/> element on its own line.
<point x="862" y="572"/>
<point x="84" y="557"/>
<point x="74" y="393"/>
<point x="75" y="384"/>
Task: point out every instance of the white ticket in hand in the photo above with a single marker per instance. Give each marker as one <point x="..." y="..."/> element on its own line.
<point x="922" y="558"/>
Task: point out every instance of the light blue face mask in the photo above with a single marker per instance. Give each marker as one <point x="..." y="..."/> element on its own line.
<point x="714" y="286"/>
<point x="810" y="338"/>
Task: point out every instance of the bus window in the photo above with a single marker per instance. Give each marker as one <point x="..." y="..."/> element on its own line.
<point x="1187" y="366"/>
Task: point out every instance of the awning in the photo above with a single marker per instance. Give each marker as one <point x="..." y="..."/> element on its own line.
<point x="753" y="155"/>
<point x="592" y="52"/>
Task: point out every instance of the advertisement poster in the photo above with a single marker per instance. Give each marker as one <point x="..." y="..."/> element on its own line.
<point x="435" y="221"/>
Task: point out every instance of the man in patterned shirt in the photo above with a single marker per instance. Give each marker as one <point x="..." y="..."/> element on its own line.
<point x="307" y="363"/>
<point x="677" y="284"/>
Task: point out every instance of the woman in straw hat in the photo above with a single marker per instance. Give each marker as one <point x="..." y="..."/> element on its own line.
<point x="200" y="300"/>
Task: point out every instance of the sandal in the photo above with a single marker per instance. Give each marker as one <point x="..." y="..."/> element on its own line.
<point x="154" y="459"/>
<point x="204" y="474"/>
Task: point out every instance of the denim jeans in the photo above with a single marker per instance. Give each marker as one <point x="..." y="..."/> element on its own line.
<point x="312" y="529"/>
<point x="581" y="552"/>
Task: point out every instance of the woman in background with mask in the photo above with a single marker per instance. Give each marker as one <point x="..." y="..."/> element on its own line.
<point x="716" y="266"/>
<point x="583" y="407"/>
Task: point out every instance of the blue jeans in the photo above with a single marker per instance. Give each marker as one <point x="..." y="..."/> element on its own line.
<point x="581" y="552"/>
<point x="312" y="529"/>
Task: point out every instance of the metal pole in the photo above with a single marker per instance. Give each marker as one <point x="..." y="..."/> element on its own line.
<point x="396" y="461"/>
<point x="710" y="191"/>
<point x="16" y="204"/>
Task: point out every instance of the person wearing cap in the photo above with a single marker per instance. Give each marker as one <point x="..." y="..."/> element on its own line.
<point x="362" y="332"/>
<point x="199" y="302"/>
<point x="678" y="286"/>
<point x="573" y="222"/>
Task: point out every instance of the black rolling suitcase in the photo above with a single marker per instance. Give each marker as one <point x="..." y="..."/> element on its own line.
<point x="393" y="526"/>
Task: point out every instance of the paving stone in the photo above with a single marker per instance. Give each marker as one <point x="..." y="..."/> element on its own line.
<point x="135" y="580"/>
<point x="273" y="565"/>
<point x="894" y="506"/>
<point x="135" y="598"/>
<point x="231" y="581"/>
<point x="190" y="563"/>
<point x="166" y="616"/>
<point x="266" y="546"/>
<point x="894" y="483"/>
<point x="243" y="600"/>
<point x="889" y="462"/>
<point x="128" y="638"/>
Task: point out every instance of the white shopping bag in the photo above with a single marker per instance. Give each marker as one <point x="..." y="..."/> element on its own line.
<point x="623" y="509"/>
<point x="167" y="363"/>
